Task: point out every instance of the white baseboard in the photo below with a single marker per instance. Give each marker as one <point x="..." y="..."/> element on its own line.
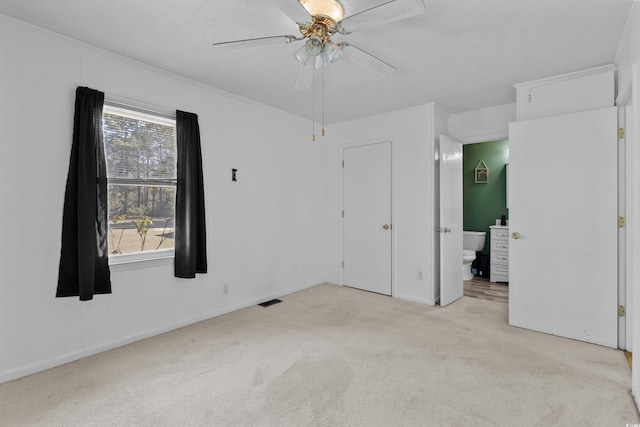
<point x="415" y="299"/>
<point x="71" y="357"/>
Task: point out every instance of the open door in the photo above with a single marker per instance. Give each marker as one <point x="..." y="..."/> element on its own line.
<point x="450" y="229"/>
<point x="563" y="226"/>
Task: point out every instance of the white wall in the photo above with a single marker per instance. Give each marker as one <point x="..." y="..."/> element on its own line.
<point x="412" y="134"/>
<point x="487" y="124"/>
<point x="265" y="233"/>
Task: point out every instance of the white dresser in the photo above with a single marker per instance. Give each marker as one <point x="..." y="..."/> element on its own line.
<point x="499" y="259"/>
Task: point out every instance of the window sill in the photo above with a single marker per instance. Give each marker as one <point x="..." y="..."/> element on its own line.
<point x="141" y="260"/>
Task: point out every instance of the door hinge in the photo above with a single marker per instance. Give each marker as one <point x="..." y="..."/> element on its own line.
<point x="342" y="264"/>
<point x="621" y="310"/>
<point x="342" y="214"/>
<point x="343" y="163"/>
<point x="620" y="133"/>
<point x="621" y="222"/>
<point x="530" y="97"/>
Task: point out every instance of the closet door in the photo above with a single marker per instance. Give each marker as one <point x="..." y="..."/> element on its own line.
<point x="563" y="225"/>
<point x="367" y="224"/>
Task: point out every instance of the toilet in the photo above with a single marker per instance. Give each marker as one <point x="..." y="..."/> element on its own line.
<point x="472" y="242"/>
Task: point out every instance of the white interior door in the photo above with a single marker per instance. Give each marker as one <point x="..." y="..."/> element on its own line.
<point x="450" y="162"/>
<point x="367" y="217"/>
<point x="562" y="205"/>
<point x="632" y="232"/>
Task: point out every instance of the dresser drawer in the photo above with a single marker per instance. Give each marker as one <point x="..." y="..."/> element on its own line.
<point x="500" y="257"/>
<point x="499" y="245"/>
<point x="499" y="269"/>
<point x="499" y="273"/>
<point x="500" y="234"/>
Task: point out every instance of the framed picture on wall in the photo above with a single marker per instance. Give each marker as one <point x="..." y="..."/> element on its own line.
<point x="481" y="173"/>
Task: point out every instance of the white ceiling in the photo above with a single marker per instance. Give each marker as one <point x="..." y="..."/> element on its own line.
<point x="462" y="54"/>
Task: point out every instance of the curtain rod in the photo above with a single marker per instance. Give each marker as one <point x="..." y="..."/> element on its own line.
<point x="140" y="107"/>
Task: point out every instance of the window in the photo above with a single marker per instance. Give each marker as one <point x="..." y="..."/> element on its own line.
<point x="141" y="174"/>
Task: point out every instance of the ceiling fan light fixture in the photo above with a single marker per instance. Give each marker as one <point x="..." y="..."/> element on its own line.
<point x="322" y="60"/>
<point x="329" y="8"/>
<point x="333" y="51"/>
<point x="314" y="46"/>
<point x="302" y="55"/>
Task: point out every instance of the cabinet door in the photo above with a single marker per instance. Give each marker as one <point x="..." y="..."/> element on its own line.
<point x="552" y="97"/>
<point x="563" y="204"/>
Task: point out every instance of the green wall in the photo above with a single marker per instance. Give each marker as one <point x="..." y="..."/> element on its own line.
<point x="484" y="203"/>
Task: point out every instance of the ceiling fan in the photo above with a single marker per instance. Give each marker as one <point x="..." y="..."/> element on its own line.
<point x="319" y="20"/>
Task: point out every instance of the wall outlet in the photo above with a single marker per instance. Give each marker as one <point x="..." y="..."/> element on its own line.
<point x="419" y="274"/>
<point x="225" y="288"/>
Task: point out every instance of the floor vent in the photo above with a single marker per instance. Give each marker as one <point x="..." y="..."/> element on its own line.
<point x="268" y="303"/>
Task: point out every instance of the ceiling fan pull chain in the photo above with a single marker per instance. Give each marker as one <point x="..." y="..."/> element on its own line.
<point x="313" y="101"/>
<point x="323" y="100"/>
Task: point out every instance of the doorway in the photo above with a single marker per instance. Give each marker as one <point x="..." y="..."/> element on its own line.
<point x="485" y="202"/>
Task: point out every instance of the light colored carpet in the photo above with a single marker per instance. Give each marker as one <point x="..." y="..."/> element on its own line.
<point x="334" y="356"/>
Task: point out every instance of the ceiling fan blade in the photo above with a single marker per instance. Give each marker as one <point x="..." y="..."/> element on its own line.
<point x="294" y="10"/>
<point x="385" y="13"/>
<point x="259" y="41"/>
<point x="304" y="79"/>
<point x="367" y="60"/>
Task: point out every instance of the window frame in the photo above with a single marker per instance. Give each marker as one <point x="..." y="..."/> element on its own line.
<point x="155" y="256"/>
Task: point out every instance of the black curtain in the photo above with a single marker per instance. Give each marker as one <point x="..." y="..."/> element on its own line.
<point x="84" y="258"/>
<point x="189" y="231"/>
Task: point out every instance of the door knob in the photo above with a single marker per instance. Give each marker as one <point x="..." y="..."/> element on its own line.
<point x="386" y="226"/>
<point x="515" y="235"/>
